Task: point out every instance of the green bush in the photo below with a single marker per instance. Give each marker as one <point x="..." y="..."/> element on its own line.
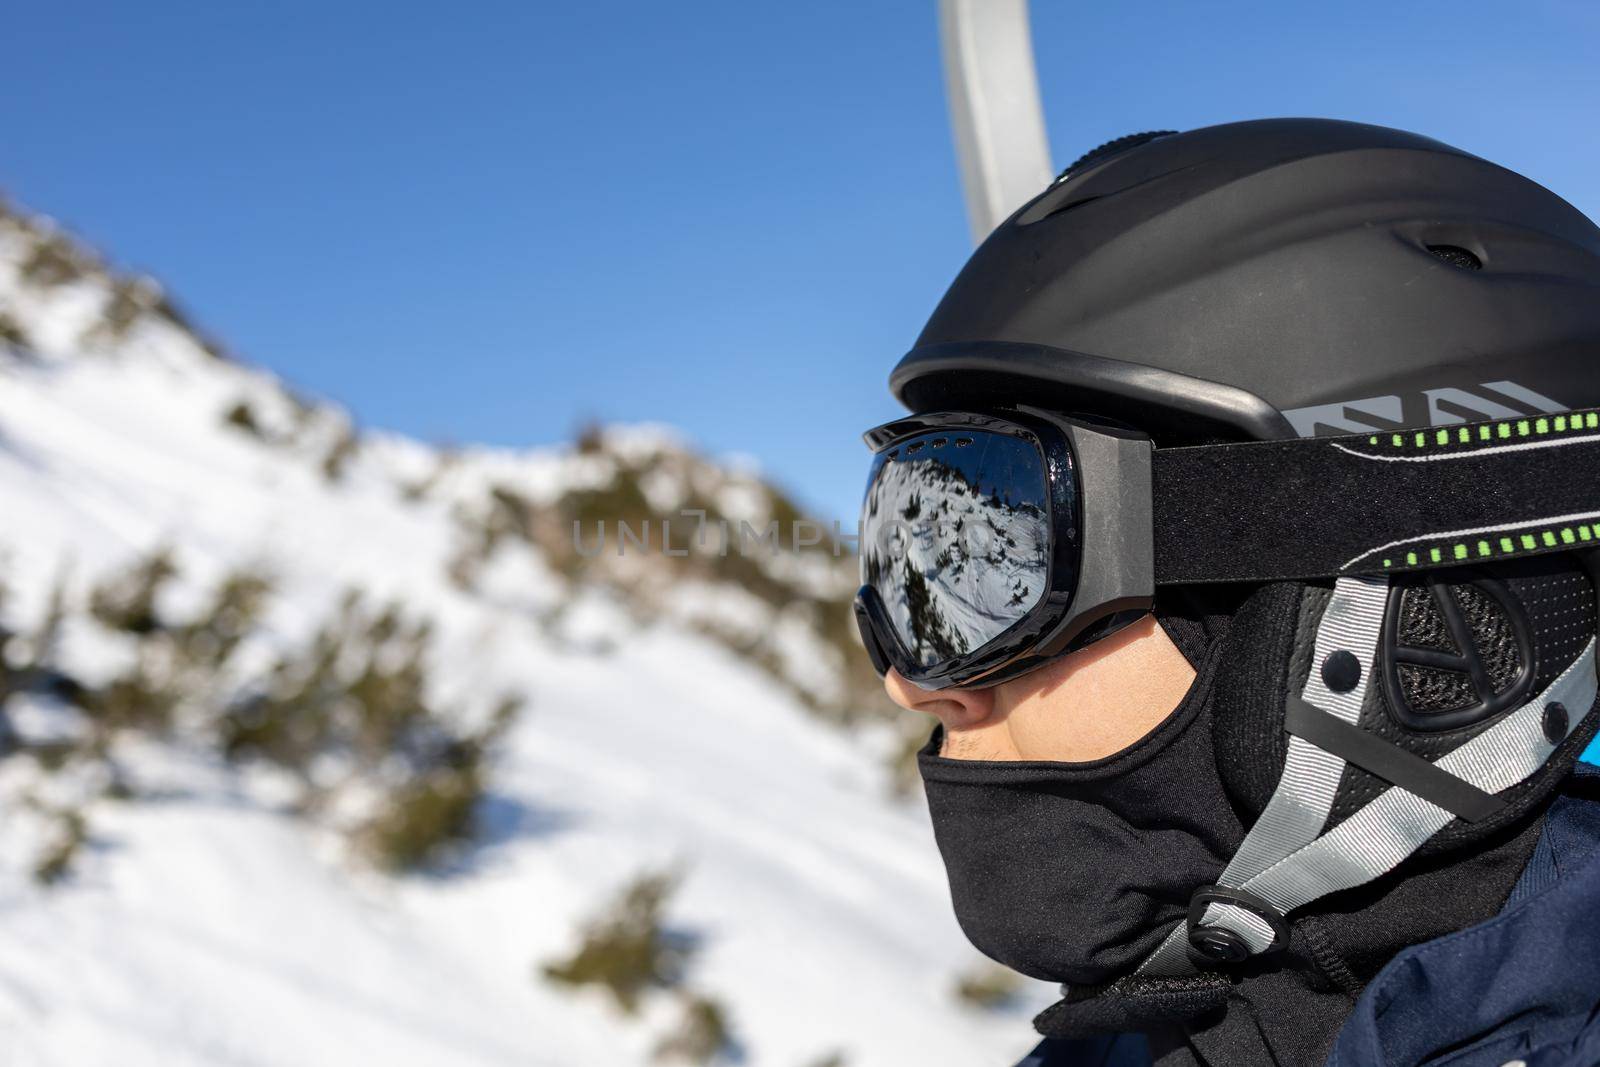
<point x="832" y="1059"/>
<point x="702" y="1035"/>
<point x="7" y="636"/>
<point x="243" y="418"/>
<point x="424" y="817"/>
<point x="627" y="950"/>
<point x="356" y="691"/>
<point x="590" y="440"/>
<point x="339" y="455"/>
<point x="287" y="719"/>
<point x="434" y="811"/>
<point x="989" y="987"/>
<point x="12" y="335"/>
<point x="170" y="310"/>
<point x="128" y="602"/>
<point x="138" y="699"/>
<point x="353" y="701"/>
<point x="419" y="489"/>
<point x="357" y="695"/>
<point x="71" y="833"/>
<point x="130" y="299"/>
<point x="26" y="665"/>
<point x="209" y="641"/>
<point x="54" y="260"/>
<point x="175" y="663"/>
<point x="10" y="683"/>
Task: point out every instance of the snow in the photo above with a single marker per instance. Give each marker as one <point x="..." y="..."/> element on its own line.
<point x="208" y="925"/>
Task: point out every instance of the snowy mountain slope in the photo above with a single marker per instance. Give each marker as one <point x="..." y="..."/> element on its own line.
<point x="673" y="717"/>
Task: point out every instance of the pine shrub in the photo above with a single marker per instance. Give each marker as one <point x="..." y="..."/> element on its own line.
<point x="129" y="300"/>
<point x="12" y="334"/>
<point x="989" y="987"/>
<point x="209" y="641"/>
<point x="424" y="817"/>
<point x="140" y="698"/>
<point x="339" y="455"/>
<point x="170" y="310"/>
<point x="357" y="697"/>
<point x="128" y="602"/>
<point x="831" y="1059"/>
<point x="348" y="712"/>
<point x="26" y="666"/>
<point x="10" y="681"/>
<point x="71" y="832"/>
<point x="590" y="440"/>
<point x="174" y="663"/>
<point x="702" y="1035"/>
<point x="54" y="260"/>
<point x="628" y="950"/>
<point x="242" y="417"/>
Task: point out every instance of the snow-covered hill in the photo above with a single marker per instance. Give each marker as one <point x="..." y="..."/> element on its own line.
<point x="180" y="884"/>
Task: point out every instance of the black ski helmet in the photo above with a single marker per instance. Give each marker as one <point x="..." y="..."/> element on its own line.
<point x="1287" y="277"/>
<point x="1271" y="278"/>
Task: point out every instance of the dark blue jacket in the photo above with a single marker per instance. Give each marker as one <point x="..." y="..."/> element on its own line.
<point x="1523" y="986"/>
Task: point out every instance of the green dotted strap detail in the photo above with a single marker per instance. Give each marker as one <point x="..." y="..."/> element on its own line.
<point x="1491" y="432"/>
<point x="1510" y="545"/>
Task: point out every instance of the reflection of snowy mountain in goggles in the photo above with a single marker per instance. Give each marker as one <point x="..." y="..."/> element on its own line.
<point x="955" y="535"/>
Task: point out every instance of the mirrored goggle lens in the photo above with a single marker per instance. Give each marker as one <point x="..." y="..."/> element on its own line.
<point x="955" y="538"/>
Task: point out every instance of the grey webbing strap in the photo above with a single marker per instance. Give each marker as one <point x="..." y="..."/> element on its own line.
<point x="1395" y="824"/>
<point x="1385" y="831"/>
<point x="1389" y="761"/>
<point x="1298" y="808"/>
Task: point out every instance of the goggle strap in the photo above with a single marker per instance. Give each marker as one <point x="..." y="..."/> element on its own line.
<point x="1331" y="506"/>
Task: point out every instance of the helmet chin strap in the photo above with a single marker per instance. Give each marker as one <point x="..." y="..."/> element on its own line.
<point x="1286" y="861"/>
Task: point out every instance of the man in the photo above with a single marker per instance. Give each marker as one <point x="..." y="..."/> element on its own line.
<point x="1241" y="541"/>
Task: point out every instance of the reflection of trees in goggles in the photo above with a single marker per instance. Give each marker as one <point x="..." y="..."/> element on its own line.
<point x="961" y="539"/>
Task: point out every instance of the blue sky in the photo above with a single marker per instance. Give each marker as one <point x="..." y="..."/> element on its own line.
<point x="498" y="223"/>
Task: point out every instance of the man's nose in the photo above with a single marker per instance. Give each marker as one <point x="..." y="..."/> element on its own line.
<point x="958" y="709"/>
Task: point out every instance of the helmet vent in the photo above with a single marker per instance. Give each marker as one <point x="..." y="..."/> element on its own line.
<point x="1457" y="256"/>
<point x="1456" y="653"/>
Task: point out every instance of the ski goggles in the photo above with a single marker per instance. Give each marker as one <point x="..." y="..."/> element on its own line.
<point x="993" y="541"/>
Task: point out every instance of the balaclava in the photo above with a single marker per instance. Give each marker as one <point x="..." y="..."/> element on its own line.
<point x="1087" y="874"/>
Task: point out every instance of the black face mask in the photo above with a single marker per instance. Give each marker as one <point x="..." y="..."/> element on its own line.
<point x="1074" y="872"/>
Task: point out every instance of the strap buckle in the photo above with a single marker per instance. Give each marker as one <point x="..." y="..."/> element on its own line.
<point x="1220" y="944"/>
